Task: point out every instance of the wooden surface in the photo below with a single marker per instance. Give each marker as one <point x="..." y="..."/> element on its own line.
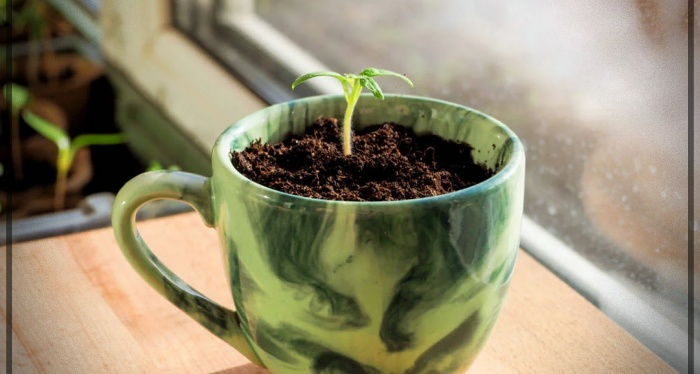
<point x="78" y="307"/>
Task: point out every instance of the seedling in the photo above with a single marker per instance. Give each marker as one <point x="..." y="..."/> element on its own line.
<point x="18" y="97"/>
<point x="352" y="87"/>
<point x="32" y="15"/>
<point x="66" y="149"/>
<point x="157" y="166"/>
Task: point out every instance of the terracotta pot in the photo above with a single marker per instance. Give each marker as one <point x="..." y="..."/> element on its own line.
<point x="69" y="78"/>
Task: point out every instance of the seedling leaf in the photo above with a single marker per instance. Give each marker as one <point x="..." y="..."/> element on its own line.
<point x="47" y="129"/>
<point x="97" y="139"/>
<point x="315" y="74"/>
<point x="372" y="72"/>
<point x="157" y="166"/>
<point x="19" y="96"/>
<point x="372" y="86"/>
<point x="154" y="166"/>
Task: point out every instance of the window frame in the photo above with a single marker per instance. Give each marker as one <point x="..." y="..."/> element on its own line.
<point x="159" y="60"/>
<point x="260" y="57"/>
<point x="83" y="15"/>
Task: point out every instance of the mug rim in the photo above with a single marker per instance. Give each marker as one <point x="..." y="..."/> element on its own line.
<point x="222" y="150"/>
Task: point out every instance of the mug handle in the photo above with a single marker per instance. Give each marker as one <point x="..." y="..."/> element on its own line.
<point x="194" y="190"/>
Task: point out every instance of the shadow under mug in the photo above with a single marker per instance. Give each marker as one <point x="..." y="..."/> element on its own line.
<point x="412" y="286"/>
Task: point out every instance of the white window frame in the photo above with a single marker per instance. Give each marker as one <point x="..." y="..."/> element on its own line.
<point x="137" y="38"/>
<point x="81" y="14"/>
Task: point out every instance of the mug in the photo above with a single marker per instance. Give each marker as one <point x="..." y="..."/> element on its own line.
<point x="320" y="286"/>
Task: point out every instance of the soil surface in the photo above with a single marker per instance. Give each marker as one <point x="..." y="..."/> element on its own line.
<point x="389" y="162"/>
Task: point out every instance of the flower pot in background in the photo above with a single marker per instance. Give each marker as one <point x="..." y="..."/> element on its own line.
<point x="66" y="81"/>
<point x="33" y="192"/>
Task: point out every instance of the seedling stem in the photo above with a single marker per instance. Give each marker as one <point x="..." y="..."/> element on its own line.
<point x="66" y="149"/>
<point x="352" y="87"/>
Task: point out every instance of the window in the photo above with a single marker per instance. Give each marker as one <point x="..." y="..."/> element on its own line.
<point x="91" y="6"/>
<point x="83" y="14"/>
<point x="597" y="90"/>
<point x="255" y="52"/>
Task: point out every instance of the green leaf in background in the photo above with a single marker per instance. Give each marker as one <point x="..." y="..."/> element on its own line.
<point x="47" y="129"/>
<point x="97" y="139"/>
<point x="3" y="16"/>
<point x="154" y="166"/>
<point x="157" y="166"/>
<point x="32" y="15"/>
<point x="18" y="95"/>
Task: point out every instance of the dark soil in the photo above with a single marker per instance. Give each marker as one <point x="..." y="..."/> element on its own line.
<point x="389" y="162"/>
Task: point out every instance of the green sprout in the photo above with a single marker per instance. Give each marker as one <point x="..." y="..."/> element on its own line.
<point x="352" y="87"/>
<point x="18" y="97"/>
<point x="66" y="149"/>
<point x="33" y="16"/>
<point x="157" y="166"/>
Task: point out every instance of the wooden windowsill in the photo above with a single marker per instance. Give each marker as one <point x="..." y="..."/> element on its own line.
<point x="78" y="306"/>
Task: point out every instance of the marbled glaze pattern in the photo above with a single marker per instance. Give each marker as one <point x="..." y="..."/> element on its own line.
<point x="344" y="287"/>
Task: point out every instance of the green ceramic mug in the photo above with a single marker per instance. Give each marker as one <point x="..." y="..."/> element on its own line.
<point x="321" y="286"/>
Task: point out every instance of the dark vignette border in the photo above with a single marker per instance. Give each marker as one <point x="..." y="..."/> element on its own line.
<point x="8" y="216"/>
<point x="691" y="185"/>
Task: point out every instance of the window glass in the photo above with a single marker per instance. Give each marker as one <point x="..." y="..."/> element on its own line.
<point x="597" y="90"/>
